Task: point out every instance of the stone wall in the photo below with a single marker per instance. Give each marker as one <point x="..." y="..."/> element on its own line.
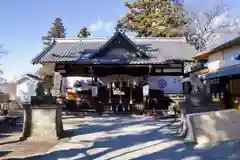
<point x="211" y="127"/>
<point x="187" y="107"/>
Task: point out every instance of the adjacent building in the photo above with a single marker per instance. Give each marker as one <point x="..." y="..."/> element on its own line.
<point x="223" y="71"/>
<point x="25" y="87"/>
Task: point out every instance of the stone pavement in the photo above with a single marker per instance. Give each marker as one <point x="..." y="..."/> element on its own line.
<point x="12" y="148"/>
<point x="22" y="150"/>
<point x="125" y="137"/>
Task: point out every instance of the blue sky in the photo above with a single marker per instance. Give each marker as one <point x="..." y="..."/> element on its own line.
<point x="24" y="22"/>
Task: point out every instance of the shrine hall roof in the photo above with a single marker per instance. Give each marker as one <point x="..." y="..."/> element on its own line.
<point x="155" y="49"/>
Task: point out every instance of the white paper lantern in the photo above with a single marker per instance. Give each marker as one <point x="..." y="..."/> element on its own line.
<point x="94" y="91"/>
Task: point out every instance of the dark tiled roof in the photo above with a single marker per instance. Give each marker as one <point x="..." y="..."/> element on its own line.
<point x="33" y="77"/>
<point x="159" y="49"/>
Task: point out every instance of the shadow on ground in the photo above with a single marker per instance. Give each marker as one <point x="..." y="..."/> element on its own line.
<point x="3" y="153"/>
<point x="8" y="131"/>
<point x="109" y="138"/>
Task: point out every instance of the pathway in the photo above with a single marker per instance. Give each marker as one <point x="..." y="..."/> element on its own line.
<point x="119" y="138"/>
<point x="122" y="138"/>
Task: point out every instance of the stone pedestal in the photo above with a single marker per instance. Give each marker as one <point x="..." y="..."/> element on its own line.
<point x="197" y="99"/>
<point x="42" y="122"/>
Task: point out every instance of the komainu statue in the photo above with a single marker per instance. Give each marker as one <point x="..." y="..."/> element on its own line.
<point x="40" y="90"/>
<point x="196" y="83"/>
<point x="43" y="95"/>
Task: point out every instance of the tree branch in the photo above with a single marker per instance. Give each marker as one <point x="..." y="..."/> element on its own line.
<point x="205" y="26"/>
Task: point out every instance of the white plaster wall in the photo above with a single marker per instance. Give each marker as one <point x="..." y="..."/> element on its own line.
<point x="215" y="61"/>
<point x="230" y="55"/>
<point x="173" y="85"/>
<point x="25" y="90"/>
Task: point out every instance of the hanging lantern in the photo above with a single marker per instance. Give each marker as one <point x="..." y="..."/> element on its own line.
<point x="222" y="95"/>
<point x="108" y="85"/>
<point x="94" y="91"/>
<point x="90" y="70"/>
<point x="218" y="96"/>
<point x="213" y="95"/>
<point x="237" y="100"/>
<point x="146" y="90"/>
<point x="113" y="85"/>
<point x="134" y="83"/>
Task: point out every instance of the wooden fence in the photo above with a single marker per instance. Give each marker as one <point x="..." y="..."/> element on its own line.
<point x="6" y="107"/>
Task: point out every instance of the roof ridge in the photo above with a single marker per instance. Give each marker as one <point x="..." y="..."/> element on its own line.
<point x="160" y="47"/>
<point x="75" y="40"/>
<point x="125" y="34"/>
<point x="104" y="39"/>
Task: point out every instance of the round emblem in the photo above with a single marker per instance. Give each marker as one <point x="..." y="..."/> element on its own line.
<point x="162" y="83"/>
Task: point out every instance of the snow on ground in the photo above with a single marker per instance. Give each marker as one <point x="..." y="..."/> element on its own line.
<point x="136" y="137"/>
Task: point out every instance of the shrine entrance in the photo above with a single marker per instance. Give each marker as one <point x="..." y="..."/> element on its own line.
<point x="124" y="65"/>
<point x="120" y="96"/>
<point x="125" y="88"/>
<point x="123" y="93"/>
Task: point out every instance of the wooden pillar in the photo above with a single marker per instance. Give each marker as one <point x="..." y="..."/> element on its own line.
<point x="130" y="94"/>
<point x="120" y="88"/>
<point x="110" y="96"/>
<point x="120" y="96"/>
<point x="145" y="94"/>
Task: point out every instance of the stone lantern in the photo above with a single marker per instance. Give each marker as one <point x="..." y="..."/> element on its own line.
<point x="43" y="117"/>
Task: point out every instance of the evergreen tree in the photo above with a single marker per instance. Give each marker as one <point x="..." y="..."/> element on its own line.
<point x="56" y="31"/>
<point x="158" y="18"/>
<point x="84" y="33"/>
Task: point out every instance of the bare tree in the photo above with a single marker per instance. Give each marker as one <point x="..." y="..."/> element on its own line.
<point x="2" y="53"/>
<point x="204" y="29"/>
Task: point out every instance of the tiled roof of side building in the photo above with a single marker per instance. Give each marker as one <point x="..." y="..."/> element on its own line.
<point x="29" y="75"/>
<point x="71" y="49"/>
<point x="34" y="77"/>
